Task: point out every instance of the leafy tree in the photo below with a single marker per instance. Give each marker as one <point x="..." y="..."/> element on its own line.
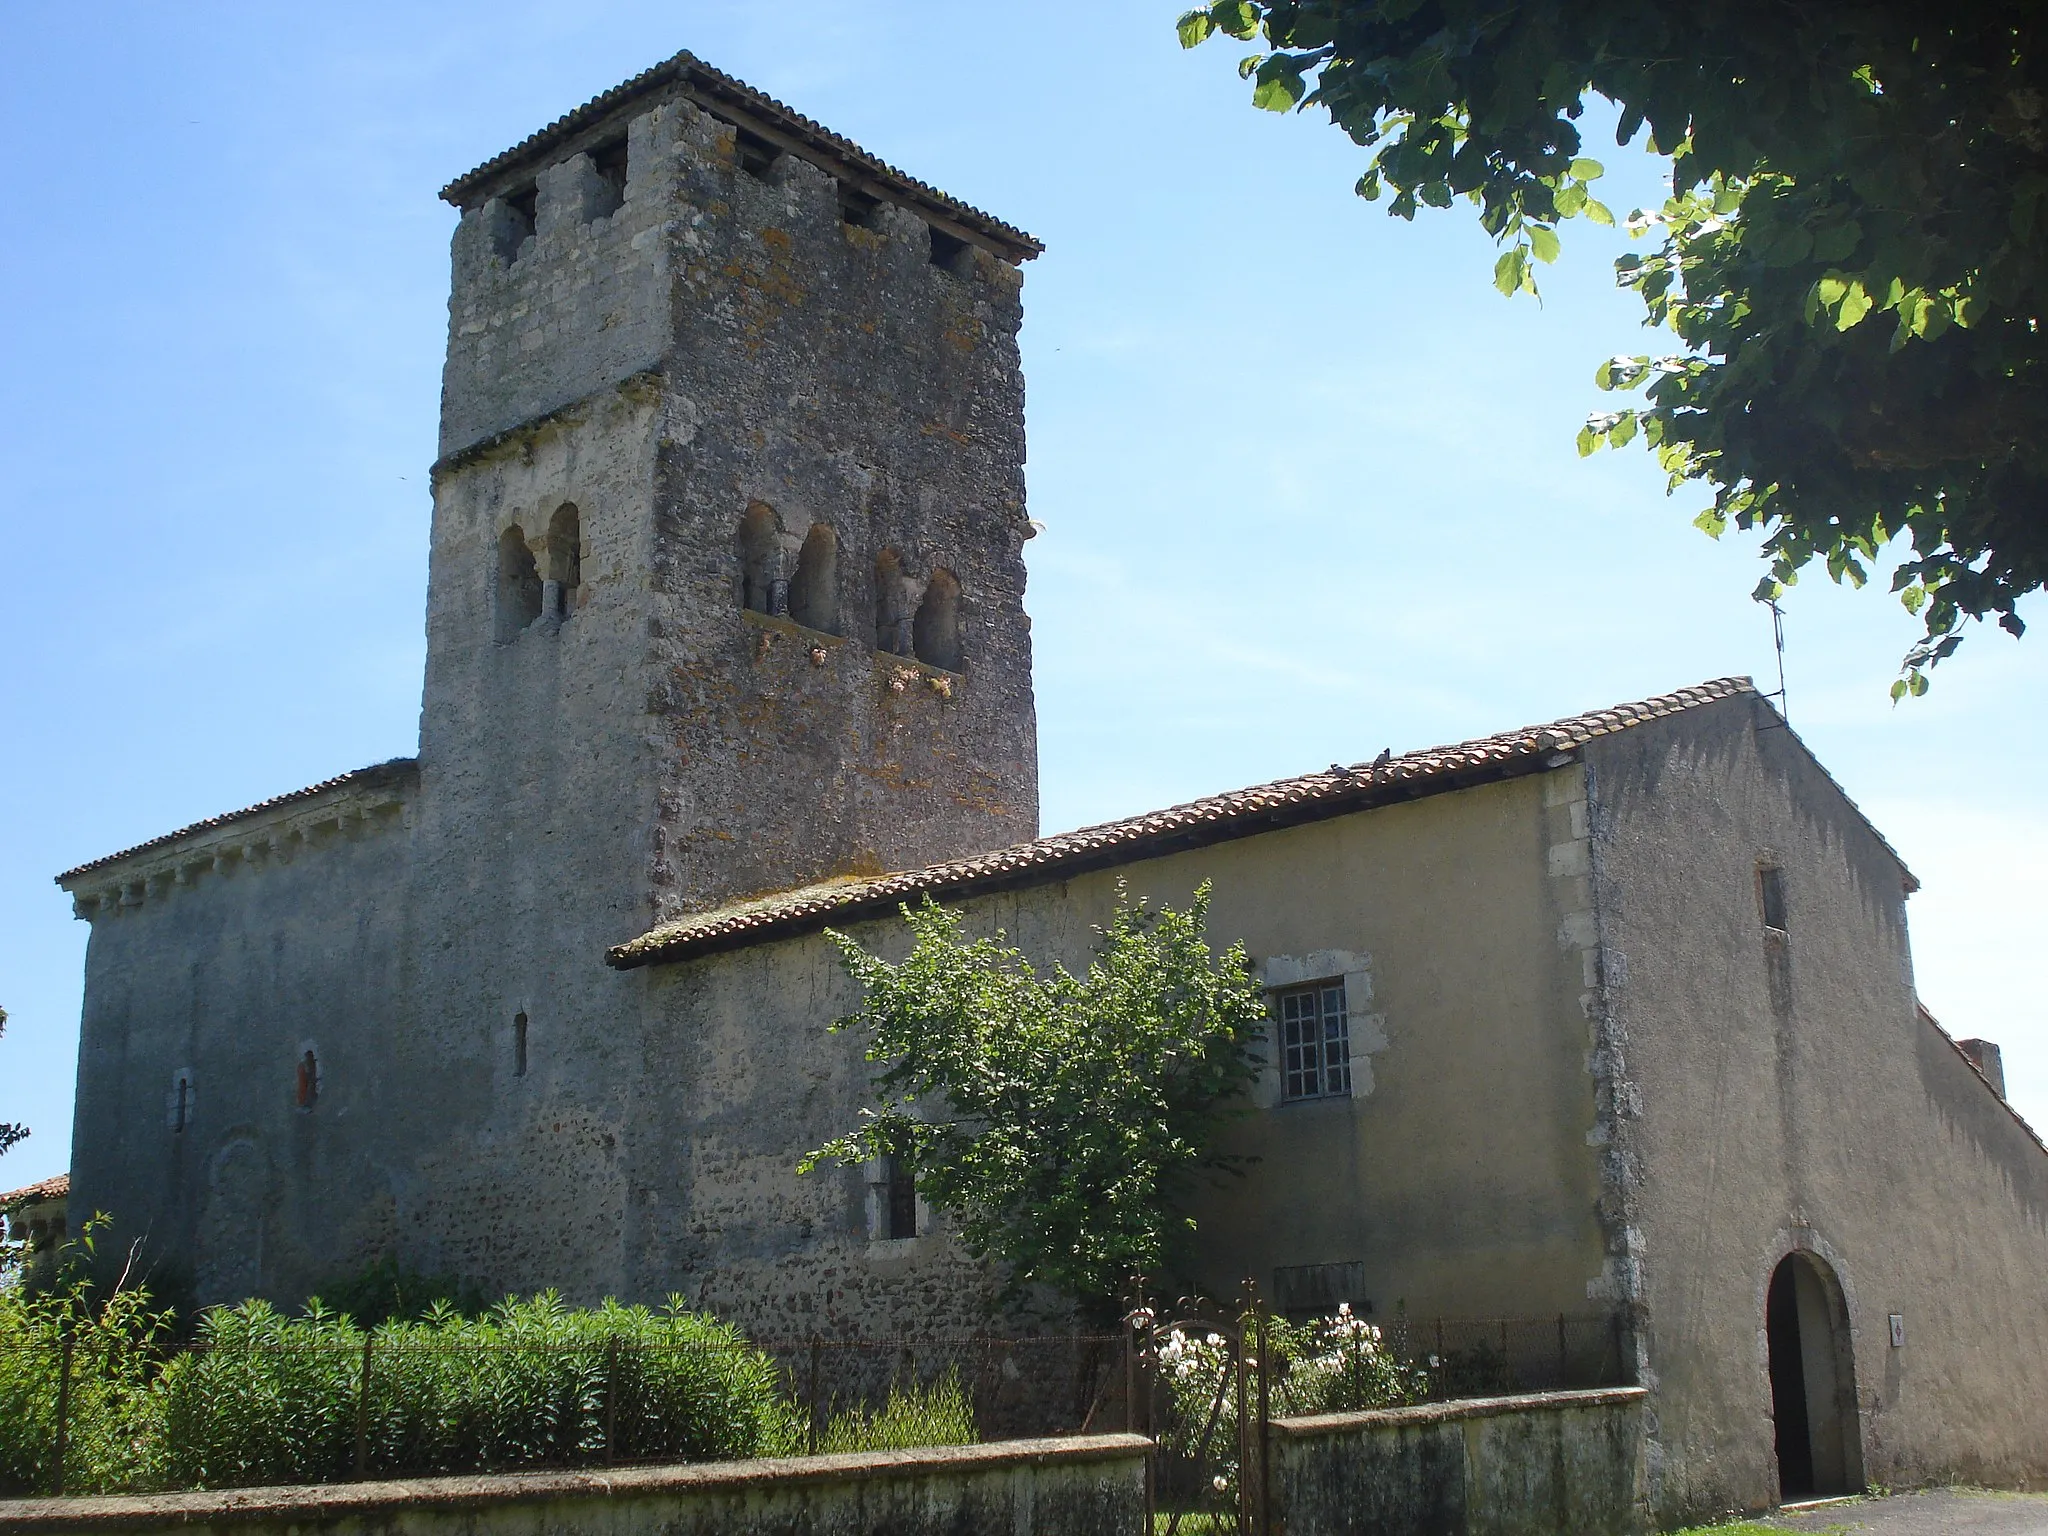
<point x="1059" y="1118"/>
<point x="11" y="1134"/>
<point x="1854" y="257"/>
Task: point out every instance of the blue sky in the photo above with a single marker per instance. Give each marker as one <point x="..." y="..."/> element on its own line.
<point x="1308" y="482"/>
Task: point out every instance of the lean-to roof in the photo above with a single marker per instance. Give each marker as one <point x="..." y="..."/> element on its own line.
<point x="1337" y="791"/>
<point x="736" y="101"/>
<point x="375" y="776"/>
<point x="56" y="1187"/>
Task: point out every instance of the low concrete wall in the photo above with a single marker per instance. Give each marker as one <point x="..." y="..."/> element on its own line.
<point x="1550" y="1464"/>
<point x="1086" y="1486"/>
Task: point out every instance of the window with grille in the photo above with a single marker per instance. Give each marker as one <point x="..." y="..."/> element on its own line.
<point x="1315" y="1042"/>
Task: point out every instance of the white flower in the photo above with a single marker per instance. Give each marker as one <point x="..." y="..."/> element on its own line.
<point x="1219" y="1482"/>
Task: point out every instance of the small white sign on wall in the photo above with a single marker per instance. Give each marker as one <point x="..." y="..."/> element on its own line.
<point x="1898" y="1321"/>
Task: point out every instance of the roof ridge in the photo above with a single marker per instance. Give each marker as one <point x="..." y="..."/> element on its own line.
<point x="691" y="72"/>
<point x="390" y="766"/>
<point x="1257" y="807"/>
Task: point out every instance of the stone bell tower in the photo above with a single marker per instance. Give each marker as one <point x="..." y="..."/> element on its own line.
<point x="727" y="587"/>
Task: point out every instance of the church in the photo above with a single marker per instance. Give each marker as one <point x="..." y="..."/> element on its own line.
<point x="1610" y="1019"/>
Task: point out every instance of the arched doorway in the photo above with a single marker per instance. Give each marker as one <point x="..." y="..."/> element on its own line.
<point x="1813" y="1381"/>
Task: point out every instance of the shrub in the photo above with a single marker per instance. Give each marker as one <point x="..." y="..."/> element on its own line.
<point x="270" y="1399"/>
<point x="111" y="1419"/>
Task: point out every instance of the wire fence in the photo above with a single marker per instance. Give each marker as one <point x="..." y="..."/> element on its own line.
<point x="92" y="1414"/>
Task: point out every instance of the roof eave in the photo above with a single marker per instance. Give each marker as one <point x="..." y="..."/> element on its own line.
<point x="1370" y="797"/>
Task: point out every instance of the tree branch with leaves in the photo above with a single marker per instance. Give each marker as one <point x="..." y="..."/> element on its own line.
<point x="1060" y="1119"/>
<point x="1853" y="259"/>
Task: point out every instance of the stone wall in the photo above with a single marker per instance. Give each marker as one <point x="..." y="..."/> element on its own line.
<point x="1552" y="1464"/>
<point x="1783" y="1094"/>
<point x="1093" y="1486"/>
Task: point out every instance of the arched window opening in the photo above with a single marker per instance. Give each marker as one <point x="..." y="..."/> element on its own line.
<point x="519" y="590"/>
<point x="892" y="605"/>
<point x="814" y="591"/>
<point x="936" y="632"/>
<point x="562" y="582"/>
<point x="1813" y="1381"/>
<point x="763" y="588"/>
<point x="519" y="1045"/>
<point x="308" y="1080"/>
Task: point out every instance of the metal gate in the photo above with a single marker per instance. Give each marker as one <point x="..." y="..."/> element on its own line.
<point x="1195" y="1386"/>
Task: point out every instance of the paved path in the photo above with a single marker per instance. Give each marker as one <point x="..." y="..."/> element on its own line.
<point x="1945" y="1512"/>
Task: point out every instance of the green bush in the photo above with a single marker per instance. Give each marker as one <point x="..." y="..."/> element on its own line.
<point x="112" y="1428"/>
<point x="261" y="1398"/>
<point x="269" y="1399"/>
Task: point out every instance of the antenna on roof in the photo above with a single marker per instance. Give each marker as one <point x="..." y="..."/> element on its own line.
<point x="1778" y="638"/>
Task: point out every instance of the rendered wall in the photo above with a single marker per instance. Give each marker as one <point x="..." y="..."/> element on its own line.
<point x="1092" y="1486"/>
<point x="220" y="961"/>
<point x="1459" y="1174"/>
<point x="1554" y="1464"/>
<point x="1786" y="1096"/>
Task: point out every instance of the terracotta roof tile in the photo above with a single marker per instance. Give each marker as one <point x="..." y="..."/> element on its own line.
<point x="1239" y="813"/>
<point x="376" y="773"/>
<point x="56" y="1187"/>
<point x="714" y="88"/>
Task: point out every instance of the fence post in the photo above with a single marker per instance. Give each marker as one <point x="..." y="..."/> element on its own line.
<point x="611" y="1400"/>
<point x="63" y="1410"/>
<point x="814" y="1430"/>
<point x="1265" y="1524"/>
<point x="363" y="1413"/>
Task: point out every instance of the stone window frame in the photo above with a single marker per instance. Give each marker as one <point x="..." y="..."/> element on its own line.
<point x="1367" y="1029"/>
<point x="875" y="1173"/>
<point x="1313" y="1027"/>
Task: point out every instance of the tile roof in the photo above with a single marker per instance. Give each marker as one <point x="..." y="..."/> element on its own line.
<point x="1240" y="813"/>
<point x="373" y="776"/>
<point x="56" y="1187"/>
<point x="729" y="97"/>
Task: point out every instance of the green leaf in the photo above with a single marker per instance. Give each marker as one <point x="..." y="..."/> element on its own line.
<point x="1509" y="271"/>
<point x="1711" y="523"/>
<point x="1856" y="303"/>
<point x="1588" y="440"/>
<point x="1599" y="212"/>
<point x="1194" y="28"/>
<point x="1914" y="598"/>
<point x="1543" y="241"/>
<point x="1624" y="431"/>
<point x="1587" y="170"/>
<point x="1278" y="91"/>
<point x="1240" y="18"/>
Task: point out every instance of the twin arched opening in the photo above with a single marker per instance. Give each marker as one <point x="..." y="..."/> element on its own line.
<point x="907" y="622"/>
<point x="931" y="631"/>
<point x="540" y="579"/>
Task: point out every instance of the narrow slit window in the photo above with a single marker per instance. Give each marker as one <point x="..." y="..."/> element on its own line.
<point x="856" y="207"/>
<point x="515" y="222"/>
<point x="519" y="585"/>
<point x="308" y="1087"/>
<point x="1770" y="891"/>
<point x="898" y="1192"/>
<point x="756" y="155"/>
<point x="814" y="590"/>
<point x="519" y="1045"/>
<point x="892" y="607"/>
<point x="763" y="588"/>
<point x="561" y="587"/>
<point x="1315" y="1042"/>
<point x="609" y="161"/>
<point x="181" y="1109"/>
<point x="935" y="634"/>
<point x="949" y="252"/>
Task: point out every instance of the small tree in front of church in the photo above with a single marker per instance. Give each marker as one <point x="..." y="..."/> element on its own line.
<point x="1059" y="1119"/>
